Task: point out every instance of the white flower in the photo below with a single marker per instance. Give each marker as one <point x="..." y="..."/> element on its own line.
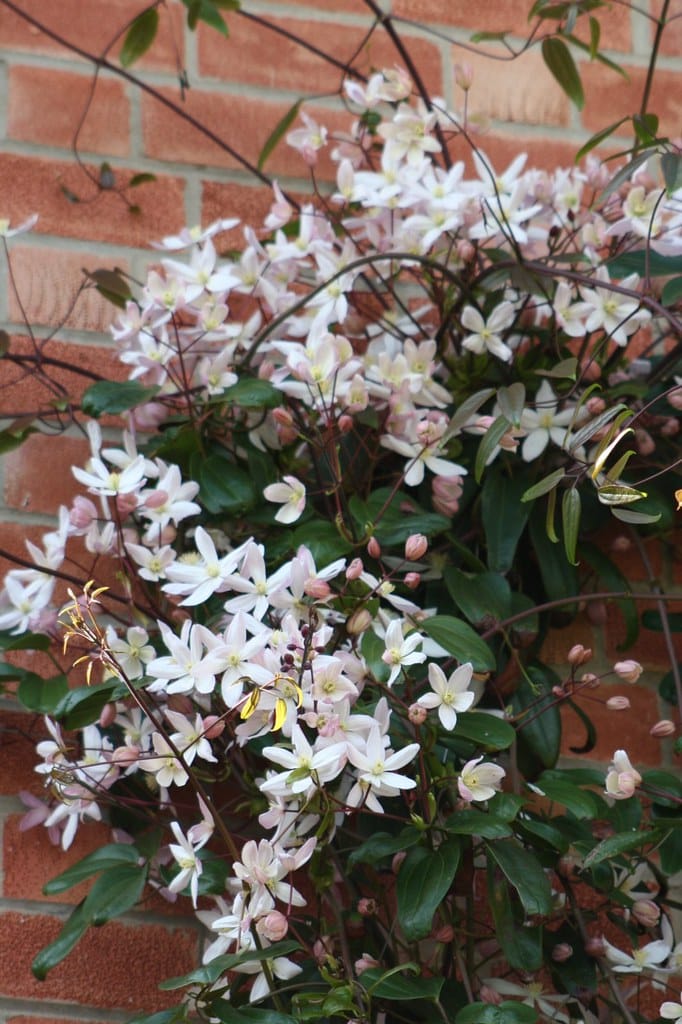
<point x="291" y="495"/>
<point x="544" y="424"/>
<point x="449" y="695"/>
<point x="7" y="232"/>
<point x="617" y="314"/>
<point x="649" y="957"/>
<point x="486" y="333"/>
<point x="185" y="855"/>
<point x="671" y="1011"/>
<point x="377" y="767"/>
<point x="400" y="651"/>
<point x="622" y="779"/>
<point x="479" y="781"/>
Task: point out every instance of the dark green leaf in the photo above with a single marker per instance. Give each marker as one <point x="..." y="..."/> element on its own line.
<point x="49" y="956"/>
<point x="485" y="730"/>
<point x="117" y="890"/>
<point x="636" y="263"/>
<point x="651" y="619"/>
<point x="614" y="846"/>
<point x="570" y="521"/>
<point x="489" y="37"/>
<point x="24" y="642"/>
<point x="382" y="845"/>
<point x="489" y="443"/>
<point x="460" y="640"/>
<point x="595" y="33"/>
<point x="141" y="179"/>
<point x="558" y="59"/>
<point x="623" y="175"/>
<point x="578" y="801"/>
<point x="14" y="438"/>
<point x="559" y="577"/>
<point x="113" y="397"/>
<point x="109" y="856"/>
<point x="672" y="292"/>
<point x="590" y="731"/>
<point x="646" y="128"/>
<point x="522" y="946"/>
<point x="224" y="487"/>
<point x="210" y="972"/>
<point x="667" y="688"/>
<point x="253" y="393"/>
<point x="372" y="648"/>
<point x="614" y="580"/>
<point x="41" y="695"/>
<point x="598" y="137"/>
<point x="508" y="1012"/>
<point x="504" y="517"/>
<point x="671" y="166"/>
<point x="207" y="11"/>
<point x="228" y="1014"/>
<point x="539" y="730"/>
<point x="524" y="872"/>
<point x="547" y="483"/>
<point x="83" y="705"/>
<point x="424" y="879"/>
<point x="276" y="135"/>
<point x="481" y="597"/>
<point x="139" y="37"/>
<point x="473" y="822"/>
<point x="323" y="539"/>
<point x="395" y="986"/>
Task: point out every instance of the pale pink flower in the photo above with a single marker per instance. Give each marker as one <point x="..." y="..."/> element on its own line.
<point x="621" y="779"/>
<point x="479" y="781"/>
<point x="291" y="494"/>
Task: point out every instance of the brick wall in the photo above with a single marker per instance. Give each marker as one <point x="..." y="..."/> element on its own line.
<point x="240" y="88"/>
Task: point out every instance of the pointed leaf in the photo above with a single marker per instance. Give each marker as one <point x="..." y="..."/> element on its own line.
<point x="277" y="134"/>
<point x="485" y="730"/>
<point x="522" y="946"/>
<point x="113" y="397"/>
<point x="598" y="137"/>
<point x="489" y="443"/>
<point x="139" y="37"/>
<point x="41" y="695"/>
<point x="49" y="956"/>
<point x="424" y="879"/>
<point x="396" y="985"/>
<point x="109" y="856"/>
<point x="548" y="483"/>
<point x="570" y="519"/>
<point x="671" y="166"/>
<point x="560" y="62"/>
<point x="524" y="872"/>
<point x="117" y="890"/>
<point x="623" y="842"/>
<point x="504" y="516"/>
<point x="460" y="640"/>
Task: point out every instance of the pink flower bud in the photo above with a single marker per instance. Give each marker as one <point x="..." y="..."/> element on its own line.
<point x="595" y="405"/>
<point x="319" y="589"/>
<point x="365" y="963"/>
<point x="488" y="995"/>
<point x="466" y="250"/>
<point x="618" y="704"/>
<point x="417" y="714"/>
<point x="213" y="727"/>
<point x="274" y="926"/>
<point x="675" y="398"/>
<point x="107" y="715"/>
<point x="416" y="547"/>
<point x="562" y="952"/>
<point x="670" y="428"/>
<point x="125" y="756"/>
<point x="621" y="544"/>
<point x="149" y="415"/>
<point x="412" y="580"/>
<point x="464" y="76"/>
<point x="589" y="680"/>
<point x="595" y="946"/>
<point x="374" y="548"/>
<point x="282" y="417"/>
<point x="156" y="499"/>
<point x="355" y="569"/>
<point x="126" y="503"/>
<point x="646" y="912"/>
<point x="82" y="513"/>
<point x="345" y="423"/>
<point x="628" y="670"/>
<point x="445" y="933"/>
<point x="578" y="655"/>
<point x="167" y="535"/>
<point x="446" y="492"/>
<point x="397" y="861"/>
<point x="367" y="907"/>
<point x="645" y="442"/>
<point x="359" y="622"/>
<point x="663" y="728"/>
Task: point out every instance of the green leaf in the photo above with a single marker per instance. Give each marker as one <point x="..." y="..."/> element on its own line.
<point x="489" y="443"/>
<point x="627" y="515"/>
<point x="224" y="487"/>
<point x="24" y="642"/>
<point x="113" y="397"/>
<point x="559" y="577"/>
<point x="485" y="730"/>
<point x="614" y="846"/>
<point x="473" y="822"/>
<point x="508" y="1012"/>
<point x="141" y="179"/>
<point x="481" y="597"/>
<point x="578" y="801"/>
<point x="14" y="437"/>
<point x="253" y="393"/>
<point x="525" y="873"/>
<point x="651" y="619"/>
<point x="671" y="168"/>
<point x="560" y="62"/>
<point x="598" y="137"/>
<point x="111" y="285"/>
<point x="503" y="515"/>
<point x="109" y="856"/>
<point x="667" y="688"/>
<point x="49" y="956"/>
<point x="41" y="695"/>
<point x="207" y="11"/>
<point x="382" y="845"/>
<point x="277" y="133"/>
<point x="570" y="521"/>
<point x="323" y="540"/>
<point x="83" y="705"/>
<point x="624" y="174"/>
<point x="595" y="34"/>
<point x="392" y="985"/>
<point x="210" y="972"/>
<point x="139" y="37"/>
<point x="590" y="731"/>
<point x="522" y="946"/>
<point x="460" y="640"/>
<point x="567" y="369"/>
<point x="637" y="262"/>
<point x="489" y="37"/>
<point x="540" y="735"/>
<point x="424" y="879"/>
<point x="548" y="483"/>
<point x="672" y="291"/>
<point x="646" y="128"/>
<point x="117" y="890"/>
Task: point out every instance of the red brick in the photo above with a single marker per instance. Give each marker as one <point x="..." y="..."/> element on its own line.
<point x="127" y="961"/>
<point x="495" y="16"/>
<point x="650" y="648"/>
<point x="30" y="860"/>
<point x="19" y="733"/>
<point x="38" y="475"/>
<point x="558" y="642"/>
<point x="244" y="123"/>
<point x="48" y="281"/>
<point x="616" y="730"/>
<point x="610" y="97"/>
<point x="346" y="6"/>
<point x="671" y="41"/>
<point x="258" y="55"/>
<point x="92" y="26"/>
<point x="227" y="199"/>
<point x="521" y="91"/>
<point x="46" y="106"/>
<point x="616" y="31"/>
<point x="501" y="149"/>
<point x="24" y="391"/>
<point x="36" y="185"/>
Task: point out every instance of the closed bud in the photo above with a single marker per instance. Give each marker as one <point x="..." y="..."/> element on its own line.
<point x="126" y="503"/>
<point x="367" y="907"/>
<point x="359" y="622"/>
<point x="628" y="670"/>
<point x="125" y="756"/>
<point x="663" y="728"/>
<point x="562" y="952"/>
<point x="675" y="399"/>
<point x="213" y="727"/>
<point x="579" y="655"/>
<point x="670" y="428"/>
<point x="595" y="405"/>
<point x="464" y="76"/>
<point x="345" y="423"/>
<point x="107" y="715"/>
<point x="595" y="946"/>
<point x="465" y="250"/>
<point x="621" y="544"/>
<point x="374" y="548"/>
<point x="618" y="704"/>
<point x="412" y="580"/>
<point x="273" y="926"/>
<point x="646" y="912"/>
<point x="590" y="680"/>
<point x="445" y="933"/>
<point x="397" y="861"/>
<point x="319" y="589"/>
<point x="355" y="569"/>
<point x="417" y="714"/>
<point x="416" y="547"/>
<point x="365" y="963"/>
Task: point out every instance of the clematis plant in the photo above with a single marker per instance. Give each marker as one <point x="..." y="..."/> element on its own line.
<point x="316" y="703"/>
